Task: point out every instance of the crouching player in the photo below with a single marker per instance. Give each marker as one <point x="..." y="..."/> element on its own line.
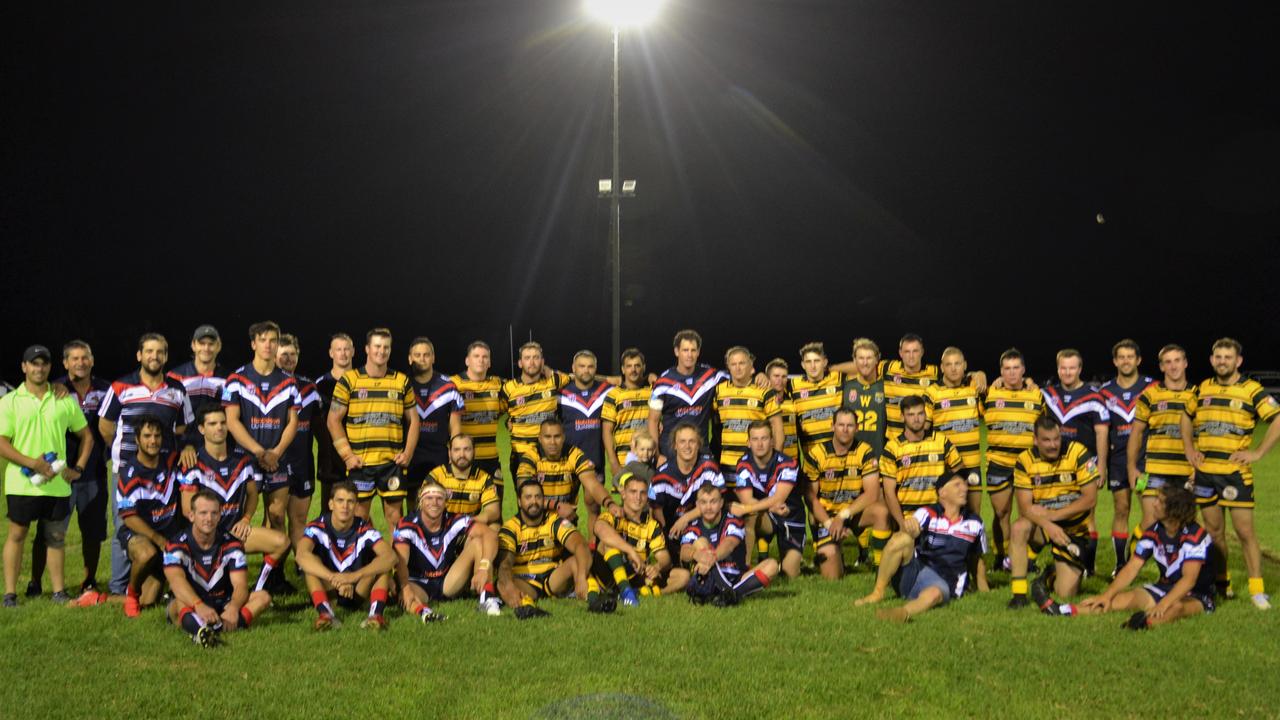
<point x="714" y="548"/>
<point x="1181" y="549"/>
<point x="929" y="561"/>
<point x="147" y="499"/>
<point x="540" y="554"/>
<point x="843" y="491"/>
<point x="345" y="559"/>
<point x="207" y="573"/>
<point x="631" y="554"/>
<point x="439" y="552"/>
<point x="766" y="480"/>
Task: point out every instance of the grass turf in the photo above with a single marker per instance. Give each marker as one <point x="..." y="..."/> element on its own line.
<point x="800" y="649"/>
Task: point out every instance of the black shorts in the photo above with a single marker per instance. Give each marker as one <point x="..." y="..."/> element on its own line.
<point x="384" y="481"/>
<point x="1072" y="553"/>
<point x="302" y="483"/>
<point x="1234" y="490"/>
<point x="1118" y="473"/>
<point x="125" y="534"/>
<point x="273" y="481"/>
<point x="790" y="535"/>
<point x="1157" y="591"/>
<point x="90" y="502"/>
<point x="433" y="586"/>
<point x="26" y="509"/>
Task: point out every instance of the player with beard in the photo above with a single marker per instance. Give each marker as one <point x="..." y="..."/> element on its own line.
<point x="1121" y="394"/>
<point x="540" y="555"/>
<point x="471" y="489"/>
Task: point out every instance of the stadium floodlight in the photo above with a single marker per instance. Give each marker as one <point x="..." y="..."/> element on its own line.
<point x="624" y="13"/>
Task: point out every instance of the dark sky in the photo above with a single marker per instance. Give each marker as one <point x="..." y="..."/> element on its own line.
<point x="807" y="170"/>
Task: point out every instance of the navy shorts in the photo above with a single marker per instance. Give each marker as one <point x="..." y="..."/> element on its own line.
<point x="1157" y="591"/>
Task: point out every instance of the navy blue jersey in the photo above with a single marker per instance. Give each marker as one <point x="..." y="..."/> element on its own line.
<point x="149" y="493"/>
<point x="95" y="470"/>
<point x="229" y="479"/>
<point x="1122" y="404"/>
<point x="780" y="471"/>
<point x="674" y="491"/>
<point x="329" y="465"/>
<point x="128" y="398"/>
<point x="431" y="554"/>
<point x="345" y="551"/>
<point x="728" y="526"/>
<point x="1079" y="411"/>
<point x="580" y="412"/>
<point x="1174" y="550"/>
<point x="437" y="400"/>
<point x="685" y="398"/>
<point x="208" y="569"/>
<point x="265" y="402"/>
<point x="204" y="389"/>
<point x="947" y="547"/>
<point x="298" y="455"/>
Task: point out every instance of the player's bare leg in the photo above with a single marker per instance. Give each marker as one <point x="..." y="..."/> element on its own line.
<point x="898" y="552"/>
<point x="929" y="597"/>
<point x="1001" y="533"/>
<point x="560" y="582"/>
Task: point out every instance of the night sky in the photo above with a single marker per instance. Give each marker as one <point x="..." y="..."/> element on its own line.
<point x="806" y="170"/>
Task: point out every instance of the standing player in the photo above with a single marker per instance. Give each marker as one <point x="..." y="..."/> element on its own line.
<point x="261" y="403"/>
<point x="1121" y="394"/>
<point x="561" y="470"/>
<point x="863" y="393"/>
<point x="844" y="493"/>
<point x="439" y="414"/>
<point x="816" y="396"/>
<point x="908" y="376"/>
<point x="915" y="462"/>
<point x="768" y="497"/>
<point x="471" y="489"/>
<point x="631" y="554"/>
<point x="626" y="410"/>
<point x="540" y="554"/>
<point x="683" y="393"/>
<point x="776" y="371"/>
<point x="440" y="554"/>
<point x="345" y="560"/>
<point x="1157" y="434"/>
<point x="714" y="546"/>
<point x="1010" y="410"/>
<point x="298" y="458"/>
<point x="482" y="405"/>
<point x="1216" y="435"/>
<point x="202" y="377"/>
<point x="581" y="405"/>
<point x="147" y="498"/>
<point x="675" y="485"/>
<point x="531" y="398"/>
<point x="738" y="402"/>
<point x="374" y="425"/>
<point x="329" y="466"/>
<point x="1056" y="484"/>
<point x="954" y="408"/>
<point x="1081" y="410"/>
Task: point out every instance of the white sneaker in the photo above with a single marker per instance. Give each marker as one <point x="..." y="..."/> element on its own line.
<point x="1262" y="601"/>
<point x="491" y="606"/>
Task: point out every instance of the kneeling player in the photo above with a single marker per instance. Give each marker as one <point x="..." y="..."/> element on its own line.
<point x="1182" y="550"/>
<point x="714" y="548"/>
<point x="631" y="553"/>
<point x="540" y="554"/>
<point x="438" y="552"/>
<point x="346" y="559"/>
<point x="929" y="561"/>
<point x="206" y="570"/>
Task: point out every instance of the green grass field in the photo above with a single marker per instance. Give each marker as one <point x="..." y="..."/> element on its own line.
<point x="800" y="649"/>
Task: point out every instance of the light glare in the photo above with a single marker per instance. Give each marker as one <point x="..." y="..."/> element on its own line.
<point x="624" y="13"/>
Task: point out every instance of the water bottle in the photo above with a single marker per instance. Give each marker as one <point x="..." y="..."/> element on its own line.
<point x="51" y="458"/>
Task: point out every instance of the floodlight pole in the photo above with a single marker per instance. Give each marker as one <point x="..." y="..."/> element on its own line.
<point x="615" y="219"/>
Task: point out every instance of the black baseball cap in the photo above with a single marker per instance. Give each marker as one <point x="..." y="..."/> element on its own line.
<point x="36" y="352"/>
<point x="205" y="331"/>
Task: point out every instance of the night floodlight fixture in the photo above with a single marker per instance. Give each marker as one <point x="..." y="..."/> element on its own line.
<point x="624" y="13"/>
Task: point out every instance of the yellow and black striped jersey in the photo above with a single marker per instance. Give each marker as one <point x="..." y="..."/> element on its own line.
<point x="627" y="409"/>
<point x="467" y="496"/>
<point x="528" y="404"/>
<point x="1055" y="484"/>
<point x="900" y="383"/>
<point x="957" y="413"/>
<point x="1224" y="416"/>
<point x="645" y="536"/>
<point x="816" y="404"/>
<point x="536" y="549"/>
<point x="375" y="412"/>
<point x="561" y="478"/>
<point x="736" y="407"/>
<point x="1010" y="416"/>
<point x="840" y="478"/>
<point x="482" y="405"/>
<point x="790" y="443"/>
<point x="1162" y="410"/>
<point x="918" y="467"/>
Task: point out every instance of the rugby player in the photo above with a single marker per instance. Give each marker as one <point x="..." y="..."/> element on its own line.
<point x="625" y="411"/>
<point x="1056" y="483"/>
<point x="738" y="402"/>
<point x="815" y="395"/>
<point x="540" y="554"/>
<point x="531" y="398"/>
<point x="929" y="561"/>
<point x="1121" y="394"/>
<point x="1216" y="433"/>
<point x="374" y="425"/>
<point x="1009" y="409"/>
<point x="915" y="461"/>
<point x="261" y="403"/>
<point x="581" y="406"/>
<point x="147" y="499"/>
<point x="471" y="489"/>
<point x="863" y="392"/>
<point x="1183" y="551"/>
<point x="1156" y="435"/>
<point x="561" y="470"/>
<point x="202" y="377"/>
<point x="631" y="552"/>
<point x="683" y="394"/>
<point x="954" y="408"/>
<point x="482" y="405"/>
<point x="206" y="571"/>
<point x="441" y="554"/>
<point x="329" y="465"/>
<point x="776" y="372"/>
<point x="768" y="499"/>
<point x="675" y="485"/>
<point x="298" y="458"/>
<point x="345" y="560"/>
<point x="714" y="549"/>
<point x="439" y="408"/>
<point x="843" y="491"/>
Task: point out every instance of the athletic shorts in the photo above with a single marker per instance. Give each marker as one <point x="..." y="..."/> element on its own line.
<point x="26" y="509"/>
<point x="714" y="582"/>
<point x="1077" y="537"/>
<point x="1118" y="473"/>
<point x="125" y="534"/>
<point x="90" y="502"/>
<point x="972" y="476"/>
<point x="434" y="586"/>
<point x="1232" y="491"/>
<point x="821" y="536"/>
<point x="273" y="481"/>
<point x="913" y="578"/>
<point x="382" y="480"/>
<point x="999" y="478"/>
<point x="790" y="534"/>
<point x="538" y="582"/>
<point x="302" y="482"/>
<point x="1157" y="591"/>
<point x="1157" y="483"/>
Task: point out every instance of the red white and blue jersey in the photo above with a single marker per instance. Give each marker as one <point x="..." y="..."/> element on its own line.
<point x="685" y="398"/>
<point x="947" y="547"/>
<point x="1079" y="411"/>
<point x="437" y="400"/>
<point x="208" y="569"/>
<point x="229" y="479"/>
<point x="1174" y="550"/>
<point x="728" y="526"/>
<point x="674" y="491"/>
<point x="1122" y="405"/>
<point x="580" y="412"/>
<point x="431" y="554"/>
<point x="90" y="404"/>
<point x="346" y="551"/>
<point x="203" y="389"/>
<point x="128" y="397"/>
<point x="149" y="493"/>
<point x="765" y="482"/>
<point x="265" y="402"/>
<point x="298" y="455"/>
